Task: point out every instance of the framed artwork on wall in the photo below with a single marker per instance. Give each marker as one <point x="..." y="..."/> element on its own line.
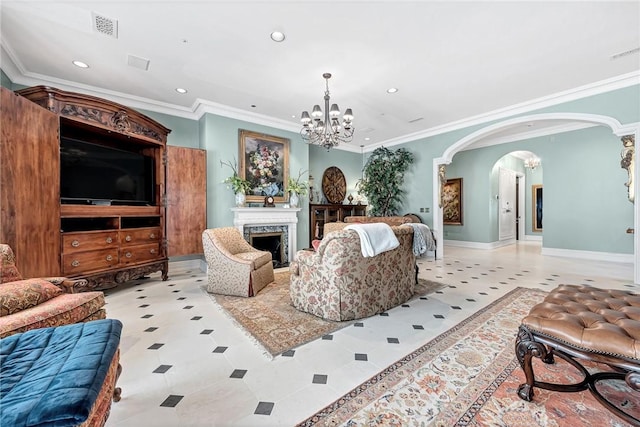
<point x="536" y="202"/>
<point x="264" y="162"/>
<point x="452" y="202"/>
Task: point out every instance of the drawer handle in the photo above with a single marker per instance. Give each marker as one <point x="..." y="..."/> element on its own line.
<point x="152" y="236"/>
<point x="75" y="243"/>
<point x="75" y="263"/>
<point x="153" y="251"/>
<point x="128" y="254"/>
<point x="109" y="240"/>
<point x="128" y="238"/>
<point x="109" y="257"/>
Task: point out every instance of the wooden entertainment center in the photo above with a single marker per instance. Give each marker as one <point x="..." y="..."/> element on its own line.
<point x="97" y="240"/>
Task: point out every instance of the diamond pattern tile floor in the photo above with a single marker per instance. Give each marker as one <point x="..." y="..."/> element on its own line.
<point x="186" y="363"/>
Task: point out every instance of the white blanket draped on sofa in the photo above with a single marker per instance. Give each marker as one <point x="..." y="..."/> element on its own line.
<point x="375" y="238"/>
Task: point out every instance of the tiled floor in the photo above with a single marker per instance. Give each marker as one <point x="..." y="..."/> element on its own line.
<point x="186" y="364"/>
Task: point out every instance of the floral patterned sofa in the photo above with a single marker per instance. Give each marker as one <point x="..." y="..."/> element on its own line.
<point x="41" y="302"/>
<point x="336" y="282"/>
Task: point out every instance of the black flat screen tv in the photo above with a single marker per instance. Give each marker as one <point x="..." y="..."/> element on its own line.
<point x="96" y="174"/>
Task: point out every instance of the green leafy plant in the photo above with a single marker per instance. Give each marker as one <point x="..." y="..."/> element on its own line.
<point x="383" y="178"/>
<point x="297" y="186"/>
<point x="234" y="182"/>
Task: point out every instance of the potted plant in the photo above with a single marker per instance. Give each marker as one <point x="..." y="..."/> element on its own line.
<point x="382" y="180"/>
<point x="296" y="188"/>
<point x="239" y="185"/>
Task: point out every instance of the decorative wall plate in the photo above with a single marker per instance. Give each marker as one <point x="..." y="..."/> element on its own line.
<point x="334" y="185"/>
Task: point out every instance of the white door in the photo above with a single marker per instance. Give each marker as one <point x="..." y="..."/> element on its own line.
<point x="507" y="205"/>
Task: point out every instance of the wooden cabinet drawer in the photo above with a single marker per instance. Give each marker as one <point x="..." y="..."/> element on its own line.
<point x="89" y="261"/>
<point x="89" y="241"/>
<point x="138" y="236"/>
<point x="141" y="253"/>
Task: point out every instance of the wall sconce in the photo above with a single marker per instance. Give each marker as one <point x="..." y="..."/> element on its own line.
<point x="532" y="163"/>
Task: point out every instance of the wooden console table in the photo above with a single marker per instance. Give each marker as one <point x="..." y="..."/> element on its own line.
<point x="319" y="215"/>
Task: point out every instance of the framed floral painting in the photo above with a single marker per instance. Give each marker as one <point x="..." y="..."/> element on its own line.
<point x="264" y="162"/>
<point x="452" y="202"/>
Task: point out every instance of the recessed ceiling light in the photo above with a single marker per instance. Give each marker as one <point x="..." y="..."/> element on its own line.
<point x="80" y="64"/>
<point x="392" y="90"/>
<point x="277" y="36"/>
<point x="181" y="90"/>
<point x="367" y="139"/>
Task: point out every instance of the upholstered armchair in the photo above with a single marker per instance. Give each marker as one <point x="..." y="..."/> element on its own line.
<point x="234" y="267"/>
<point x="34" y="303"/>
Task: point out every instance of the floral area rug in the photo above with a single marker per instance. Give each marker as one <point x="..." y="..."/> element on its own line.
<point x="469" y="376"/>
<point x="276" y="325"/>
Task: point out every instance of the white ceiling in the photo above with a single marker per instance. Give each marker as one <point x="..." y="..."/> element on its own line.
<point x="451" y="61"/>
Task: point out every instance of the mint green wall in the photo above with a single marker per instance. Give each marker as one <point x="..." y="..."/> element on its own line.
<point x="349" y="163"/>
<point x="219" y="136"/>
<point x="585" y="201"/>
<point x="5" y="81"/>
<point x="184" y="132"/>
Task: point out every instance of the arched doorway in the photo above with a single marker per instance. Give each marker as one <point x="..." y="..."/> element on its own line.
<point x="439" y="164"/>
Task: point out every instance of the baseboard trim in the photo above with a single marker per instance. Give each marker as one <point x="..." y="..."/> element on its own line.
<point x="189" y="264"/>
<point x="590" y="255"/>
<point x="479" y="245"/>
<point x="533" y="238"/>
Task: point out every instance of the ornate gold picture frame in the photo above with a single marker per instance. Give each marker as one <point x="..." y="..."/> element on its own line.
<point x="452" y="202"/>
<point x="264" y="162"/>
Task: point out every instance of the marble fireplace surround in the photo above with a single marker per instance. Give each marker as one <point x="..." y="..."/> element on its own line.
<point x="263" y="220"/>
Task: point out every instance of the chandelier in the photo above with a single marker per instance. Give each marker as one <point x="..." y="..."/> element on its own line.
<point x="532" y="163"/>
<point x="324" y="128"/>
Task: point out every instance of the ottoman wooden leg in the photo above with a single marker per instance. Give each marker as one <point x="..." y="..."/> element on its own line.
<point x="526" y="349"/>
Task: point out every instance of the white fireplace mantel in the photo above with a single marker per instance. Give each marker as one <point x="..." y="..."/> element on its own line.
<point x="249" y="217"/>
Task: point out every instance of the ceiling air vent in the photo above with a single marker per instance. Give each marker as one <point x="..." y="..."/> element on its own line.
<point x="138" y="62"/>
<point x="104" y="25"/>
<point x="625" y="53"/>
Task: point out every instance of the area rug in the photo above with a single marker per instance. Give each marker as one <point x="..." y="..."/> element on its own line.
<point x="469" y="376"/>
<point x="275" y="325"/>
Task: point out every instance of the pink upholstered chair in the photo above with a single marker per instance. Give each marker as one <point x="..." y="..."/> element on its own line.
<point x="234" y="267"/>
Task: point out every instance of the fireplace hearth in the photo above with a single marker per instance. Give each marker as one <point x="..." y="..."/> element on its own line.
<point x="254" y="221"/>
<point x="270" y="242"/>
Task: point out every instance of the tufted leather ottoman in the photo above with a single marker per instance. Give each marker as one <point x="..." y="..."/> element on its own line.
<point x="582" y="322"/>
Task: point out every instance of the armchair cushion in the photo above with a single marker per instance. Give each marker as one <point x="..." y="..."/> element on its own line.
<point x="22" y="294"/>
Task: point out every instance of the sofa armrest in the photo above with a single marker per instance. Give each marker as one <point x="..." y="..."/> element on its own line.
<point x="69" y="286"/>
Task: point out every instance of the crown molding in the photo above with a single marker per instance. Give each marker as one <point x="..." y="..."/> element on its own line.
<point x="550" y="130"/>
<point x="202" y="106"/>
<point x="16" y="71"/>
<point x="591" y="89"/>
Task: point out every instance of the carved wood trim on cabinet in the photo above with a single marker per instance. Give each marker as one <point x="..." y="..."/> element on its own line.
<point x="98" y="112"/>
